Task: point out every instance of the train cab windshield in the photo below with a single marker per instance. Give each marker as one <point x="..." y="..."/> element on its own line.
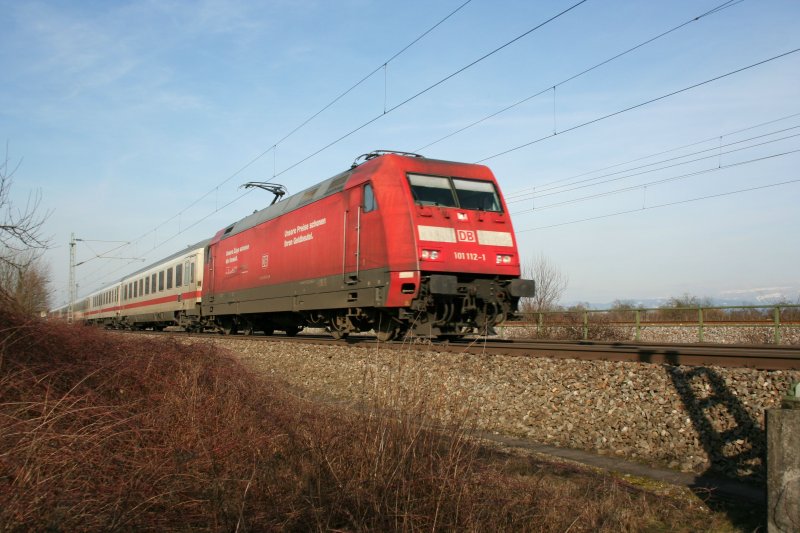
<point x="454" y="192"/>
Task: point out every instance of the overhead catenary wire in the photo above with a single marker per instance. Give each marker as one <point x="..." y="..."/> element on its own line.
<point x="591" y="182"/>
<point x="669" y="204"/>
<point x="642" y="104"/>
<point x="430" y="87"/>
<point x="657" y="182"/>
<point x="527" y="191"/>
<point x="717" y="9"/>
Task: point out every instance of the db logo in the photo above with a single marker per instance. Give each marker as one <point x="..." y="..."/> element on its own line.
<point x="465" y="235"/>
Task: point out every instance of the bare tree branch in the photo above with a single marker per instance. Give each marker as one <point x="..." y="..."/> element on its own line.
<point x="20" y="229"/>
<point x="550" y="284"/>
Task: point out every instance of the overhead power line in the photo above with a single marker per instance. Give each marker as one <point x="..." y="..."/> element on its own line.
<point x="658" y="182"/>
<point x="591" y="182"/>
<point x="365" y="78"/>
<point x="638" y="210"/>
<point x="631" y="108"/>
<point x="544" y="186"/>
<point x="724" y="5"/>
<point x="425" y="90"/>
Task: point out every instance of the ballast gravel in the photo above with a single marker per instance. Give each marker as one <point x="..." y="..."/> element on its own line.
<point x="696" y="419"/>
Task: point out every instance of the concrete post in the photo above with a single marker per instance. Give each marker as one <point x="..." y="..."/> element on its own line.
<point x="783" y="466"/>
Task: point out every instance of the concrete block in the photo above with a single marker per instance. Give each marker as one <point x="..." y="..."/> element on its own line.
<point x="783" y="470"/>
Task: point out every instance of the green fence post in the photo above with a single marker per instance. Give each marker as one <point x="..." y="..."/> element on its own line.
<point x="700" y="326"/>
<point x="777" y="319"/>
<point x="586" y="325"/>
<point x="638" y="325"/>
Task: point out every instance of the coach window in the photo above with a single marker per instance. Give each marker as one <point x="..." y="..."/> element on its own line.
<point x="369" y="199"/>
<point x="147" y="285"/>
<point x="135" y="291"/>
<point x="141" y="287"/>
<point x="191" y="272"/>
<point x="431" y="190"/>
<point x="169" y="278"/>
<point x="479" y="195"/>
<point x="178" y="275"/>
<point x="161" y="281"/>
<point x="153" y="283"/>
<point x="186" y="273"/>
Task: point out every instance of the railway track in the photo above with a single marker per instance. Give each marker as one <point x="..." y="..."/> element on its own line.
<point x="762" y="357"/>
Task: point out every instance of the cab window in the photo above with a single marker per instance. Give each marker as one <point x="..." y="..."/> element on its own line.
<point x="479" y="195"/>
<point x="431" y="190"/>
<point x="369" y="199"/>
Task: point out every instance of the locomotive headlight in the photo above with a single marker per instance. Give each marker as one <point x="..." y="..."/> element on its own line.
<point x="431" y="255"/>
<point x="503" y="259"/>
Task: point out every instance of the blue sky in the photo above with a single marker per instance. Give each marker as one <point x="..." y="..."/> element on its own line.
<point x="132" y="116"/>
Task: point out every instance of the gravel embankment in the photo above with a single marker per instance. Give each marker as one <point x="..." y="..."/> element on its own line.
<point x="788" y="335"/>
<point x="641" y="411"/>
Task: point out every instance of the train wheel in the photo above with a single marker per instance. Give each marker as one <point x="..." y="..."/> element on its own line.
<point x="269" y="331"/>
<point x="291" y="331"/>
<point x="339" y="327"/>
<point x="228" y="327"/>
<point x="386" y="328"/>
<point x="386" y="336"/>
<point x="245" y="327"/>
<point x="338" y="334"/>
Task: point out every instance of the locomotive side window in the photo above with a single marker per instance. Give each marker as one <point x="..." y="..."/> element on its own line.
<point x="369" y="199"/>
<point x="480" y="195"/>
<point x="431" y="190"/>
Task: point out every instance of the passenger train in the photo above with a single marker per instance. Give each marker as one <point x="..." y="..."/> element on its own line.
<point x="398" y="244"/>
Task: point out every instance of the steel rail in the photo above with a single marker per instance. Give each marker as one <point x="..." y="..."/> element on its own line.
<point x="761" y="357"/>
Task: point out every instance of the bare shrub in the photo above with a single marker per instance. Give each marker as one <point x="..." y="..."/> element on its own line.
<point x="598" y="327"/>
<point x="682" y="308"/>
<point x="550" y="281"/>
<point x="25" y="279"/>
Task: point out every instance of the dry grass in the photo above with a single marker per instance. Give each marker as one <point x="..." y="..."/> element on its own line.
<point x="99" y="433"/>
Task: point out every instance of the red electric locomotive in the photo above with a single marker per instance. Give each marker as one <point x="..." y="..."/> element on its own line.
<point x="397" y="243"/>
